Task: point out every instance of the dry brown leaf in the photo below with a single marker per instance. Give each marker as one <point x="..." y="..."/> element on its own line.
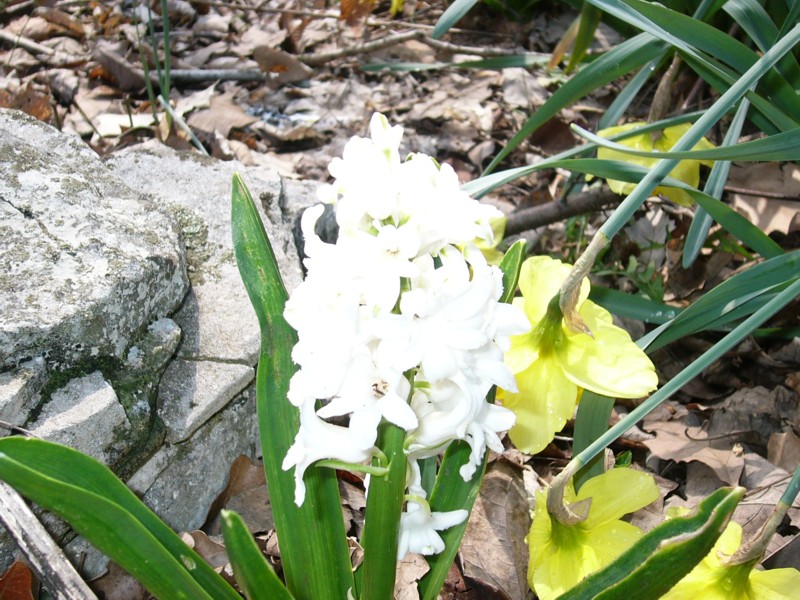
<point x="33" y="100"/>
<point x="118" y="584"/>
<point x="673" y="442"/>
<point x="222" y="115"/>
<point x="65" y="21"/>
<point x="18" y="583"/>
<point x="32" y="28"/>
<point x="409" y="571"/>
<point x="243" y="476"/>
<point x="768" y="214"/>
<point x="111" y="57"/>
<point x="212" y="552"/>
<point x="280" y="67"/>
<point x="784" y="450"/>
<point x="493" y="553"/>
<point x="354" y="11"/>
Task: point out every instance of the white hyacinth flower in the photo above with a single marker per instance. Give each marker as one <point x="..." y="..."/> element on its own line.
<point x="399" y="321"/>
<point x="419" y="526"/>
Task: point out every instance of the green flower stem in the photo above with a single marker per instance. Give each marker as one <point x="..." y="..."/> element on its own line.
<point x="382" y="519"/>
<point x="623" y="213"/>
<point x="571" y="288"/>
<point x="375" y="470"/>
<point x="754" y="550"/>
<point x="711" y="355"/>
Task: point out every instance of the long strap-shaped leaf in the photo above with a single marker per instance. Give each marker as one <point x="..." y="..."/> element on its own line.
<point x="101" y="508"/>
<point x="312" y="537"/>
<point x="663" y="556"/>
<point x="252" y="571"/>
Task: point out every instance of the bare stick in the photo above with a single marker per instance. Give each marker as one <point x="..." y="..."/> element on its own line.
<point x="588" y="201"/>
<point x="46" y="559"/>
<point x="314" y="60"/>
<point x="25" y="43"/>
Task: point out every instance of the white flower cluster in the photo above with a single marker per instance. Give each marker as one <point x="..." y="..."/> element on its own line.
<point x="403" y="291"/>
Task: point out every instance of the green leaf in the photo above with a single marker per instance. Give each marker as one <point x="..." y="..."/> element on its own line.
<point x="376" y="576"/>
<point x="701" y="223"/>
<point x="452" y="16"/>
<point x="312" y="537"/>
<point x="758" y="24"/>
<point x="87" y="495"/>
<point x="590" y="19"/>
<point x="663" y="556"/>
<point x="252" y="572"/>
<point x="486" y="183"/>
<point x="700" y="41"/>
<point x="451" y="492"/>
<point x="591" y="421"/>
<point x="760" y="279"/>
<point x="527" y="60"/>
<point x="511" y="266"/>
<point x="784" y="146"/>
<point x="633" y="307"/>
<point x="615" y="63"/>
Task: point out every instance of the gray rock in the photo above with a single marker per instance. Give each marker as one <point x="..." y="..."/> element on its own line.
<point x="85" y="262"/>
<point x="217" y="319"/>
<point x="19" y="391"/>
<point x="88" y="400"/>
<point x="181" y="481"/>
<point x="136" y="383"/>
<point x="192" y="391"/>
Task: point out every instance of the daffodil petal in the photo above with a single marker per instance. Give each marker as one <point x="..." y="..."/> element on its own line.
<point x="608" y="362"/>
<point x="540" y="280"/>
<point x="539" y="540"/>
<point x="609" y="503"/>
<point x="561" y="570"/>
<point x="546" y="400"/>
<point x="610" y="540"/>
<point x="522" y="353"/>
<point x="775" y="584"/>
<point x="687" y="171"/>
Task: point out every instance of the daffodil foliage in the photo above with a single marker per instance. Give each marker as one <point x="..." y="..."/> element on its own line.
<point x="715" y="579"/>
<point x="553" y="364"/>
<point x="562" y="555"/>
<point x="687" y="171"/>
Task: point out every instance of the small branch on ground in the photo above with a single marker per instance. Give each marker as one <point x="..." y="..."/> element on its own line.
<point x="315" y="60"/>
<point x="536" y="216"/>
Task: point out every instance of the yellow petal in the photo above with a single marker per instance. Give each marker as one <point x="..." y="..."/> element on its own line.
<point x="524" y="348"/>
<point x="546" y="400"/>
<point x="539" y="539"/>
<point x="610" y="540"/>
<point x="540" y="280"/>
<point x="561" y="570"/>
<point x="775" y="584"/>
<point x="609" y="363"/>
<point x="609" y="503"/>
<point x="687" y="171"/>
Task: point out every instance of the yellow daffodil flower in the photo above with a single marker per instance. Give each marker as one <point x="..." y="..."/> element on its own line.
<point x="687" y="171"/>
<point x="714" y="579"/>
<point x="552" y="364"/>
<point x="562" y="555"/>
<point x="489" y="248"/>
